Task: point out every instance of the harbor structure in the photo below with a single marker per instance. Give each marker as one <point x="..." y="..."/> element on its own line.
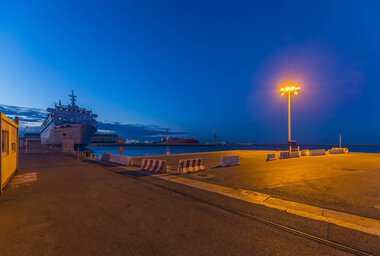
<point x="68" y="122"/>
<point x="178" y="141"/>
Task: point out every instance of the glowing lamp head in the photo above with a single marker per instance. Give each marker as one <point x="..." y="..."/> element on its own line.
<point x="289" y="88"/>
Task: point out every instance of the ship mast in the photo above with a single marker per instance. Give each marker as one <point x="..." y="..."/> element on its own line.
<point x="73" y="98"/>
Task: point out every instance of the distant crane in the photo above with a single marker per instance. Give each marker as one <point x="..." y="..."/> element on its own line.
<point x="167" y="136"/>
<point x="24" y="131"/>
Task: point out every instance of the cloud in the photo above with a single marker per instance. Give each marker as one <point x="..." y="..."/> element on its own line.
<point x="28" y="116"/>
<point x="138" y="131"/>
<point x="32" y="118"/>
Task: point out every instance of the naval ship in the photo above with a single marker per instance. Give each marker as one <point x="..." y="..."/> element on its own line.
<point x="68" y="122"/>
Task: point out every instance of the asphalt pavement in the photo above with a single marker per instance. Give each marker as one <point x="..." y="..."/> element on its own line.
<point x="84" y="208"/>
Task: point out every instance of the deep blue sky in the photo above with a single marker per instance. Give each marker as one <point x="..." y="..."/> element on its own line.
<point x="200" y="66"/>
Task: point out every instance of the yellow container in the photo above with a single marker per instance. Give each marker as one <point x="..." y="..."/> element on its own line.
<point x="9" y="150"/>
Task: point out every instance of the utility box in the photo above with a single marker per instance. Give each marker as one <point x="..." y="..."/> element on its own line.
<point x="9" y="150"/>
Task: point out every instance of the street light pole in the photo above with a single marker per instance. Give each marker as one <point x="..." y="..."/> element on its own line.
<point x="289" y="119"/>
<point x="289" y="90"/>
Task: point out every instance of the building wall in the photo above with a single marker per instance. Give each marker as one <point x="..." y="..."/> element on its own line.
<point x="9" y="149"/>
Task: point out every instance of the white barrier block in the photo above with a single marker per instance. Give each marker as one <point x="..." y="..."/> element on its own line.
<point x="271" y="157"/>
<point x="120" y="159"/>
<point x="229" y="161"/>
<point x="124" y="160"/>
<point x="317" y="152"/>
<point x="338" y="151"/>
<point x="114" y="158"/>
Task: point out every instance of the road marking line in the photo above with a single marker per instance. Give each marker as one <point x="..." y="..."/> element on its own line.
<point x="355" y="222"/>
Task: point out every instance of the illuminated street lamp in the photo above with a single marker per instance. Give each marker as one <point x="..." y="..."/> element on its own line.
<point x="289" y="89"/>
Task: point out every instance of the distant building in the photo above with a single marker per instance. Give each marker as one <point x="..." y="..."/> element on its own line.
<point x="30" y="138"/>
<point x="132" y="141"/>
<point x="104" y="139"/>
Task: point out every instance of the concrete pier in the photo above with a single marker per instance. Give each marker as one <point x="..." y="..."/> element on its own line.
<point x="346" y="182"/>
<point x="65" y="206"/>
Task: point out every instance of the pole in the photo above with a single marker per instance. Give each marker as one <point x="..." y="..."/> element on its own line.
<point x="289" y="119"/>
<point x="340" y="140"/>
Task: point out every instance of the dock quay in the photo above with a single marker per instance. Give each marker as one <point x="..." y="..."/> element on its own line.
<point x="58" y="205"/>
<point x="338" y="182"/>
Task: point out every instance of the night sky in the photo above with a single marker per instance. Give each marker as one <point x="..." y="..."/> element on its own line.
<point x="201" y="66"/>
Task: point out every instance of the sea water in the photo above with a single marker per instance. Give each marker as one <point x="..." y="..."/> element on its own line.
<point x="147" y="150"/>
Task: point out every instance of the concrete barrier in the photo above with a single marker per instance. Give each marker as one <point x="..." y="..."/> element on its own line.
<point x="154" y="165"/>
<point x="106" y="156"/>
<point x="271" y="157"/>
<point x="317" y="152"/>
<point x="284" y="155"/>
<point x="305" y="152"/>
<point x="229" y="161"/>
<point x="120" y="159"/>
<point x="125" y="160"/>
<point x="294" y="154"/>
<point x="338" y="151"/>
<point x="190" y="165"/>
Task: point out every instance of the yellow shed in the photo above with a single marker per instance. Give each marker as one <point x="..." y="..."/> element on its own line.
<point x="9" y="150"/>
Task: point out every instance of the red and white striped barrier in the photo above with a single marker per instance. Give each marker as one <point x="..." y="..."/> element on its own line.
<point x="191" y="165"/>
<point x="284" y="155"/>
<point x="229" y="161"/>
<point x="287" y="154"/>
<point x="271" y="157"/>
<point x="153" y="165"/>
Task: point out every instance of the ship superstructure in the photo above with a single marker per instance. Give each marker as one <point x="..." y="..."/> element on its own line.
<point x="68" y="122"/>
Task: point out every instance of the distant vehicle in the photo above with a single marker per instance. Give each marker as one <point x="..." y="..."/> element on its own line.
<point x="68" y="122"/>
